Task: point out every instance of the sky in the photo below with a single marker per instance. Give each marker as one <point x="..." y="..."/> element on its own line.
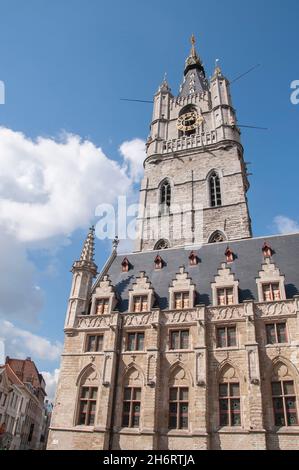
<point x="68" y="142"/>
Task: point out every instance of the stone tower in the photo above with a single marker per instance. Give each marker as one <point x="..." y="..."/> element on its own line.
<point x="195" y="179"/>
<point x="84" y="270"/>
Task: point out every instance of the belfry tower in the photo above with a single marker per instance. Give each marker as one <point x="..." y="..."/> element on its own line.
<point x="195" y="179"/>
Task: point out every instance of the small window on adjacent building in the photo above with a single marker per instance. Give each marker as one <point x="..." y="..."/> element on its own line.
<point x="131" y="407"/>
<point x="87" y="406"/>
<point x="271" y="292"/>
<point x="284" y="403"/>
<point x="140" y="303"/>
<point x="102" y="306"/>
<point x="181" y="300"/>
<point x="226" y="337"/>
<point x="225" y="296"/>
<point x="229" y="404"/>
<point x="179" y="339"/>
<point x="135" y="341"/>
<point x="178" y="407"/>
<point x="94" y="343"/>
<point x="276" y="333"/>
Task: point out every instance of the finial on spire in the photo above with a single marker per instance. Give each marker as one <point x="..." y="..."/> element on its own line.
<point x="88" y="247"/>
<point x="86" y="260"/>
<point x="115" y="243"/>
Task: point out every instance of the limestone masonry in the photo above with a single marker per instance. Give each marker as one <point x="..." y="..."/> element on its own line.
<point x="191" y="341"/>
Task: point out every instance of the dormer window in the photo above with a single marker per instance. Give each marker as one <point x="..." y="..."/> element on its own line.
<point x="225" y="296"/>
<point x="181" y="300"/>
<point x="158" y="262"/>
<point x="102" y="306"/>
<point x="267" y="250"/>
<point x="271" y="292"/>
<point x="193" y="259"/>
<point x="229" y="255"/>
<point x="140" y="303"/>
<point x="125" y="265"/>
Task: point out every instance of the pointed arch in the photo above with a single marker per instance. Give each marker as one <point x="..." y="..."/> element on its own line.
<point x="214" y="189"/>
<point x="162" y="244"/>
<point x="165" y="195"/>
<point x="217" y="237"/>
<point x="86" y="372"/>
<point x="87" y="396"/>
<point x="176" y="369"/>
<point x="133" y="374"/>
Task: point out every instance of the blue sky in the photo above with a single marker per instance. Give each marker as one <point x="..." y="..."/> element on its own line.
<point x="67" y="63"/>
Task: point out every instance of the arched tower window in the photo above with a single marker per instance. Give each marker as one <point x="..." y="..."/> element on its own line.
<point x="217" y="237"/>
<point x="162" y="245"/>
<point x="165" y="197"/>
<point x="215" y="191"/>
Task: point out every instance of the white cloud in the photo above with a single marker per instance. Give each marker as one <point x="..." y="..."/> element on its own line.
<point x="19" y="295"/>
<point x="22" y="343"/>
<point x="133" y="152"/>
<point x="50" y="188"/>
<point x="51" y="379"/>
<point x="284" y="224"/>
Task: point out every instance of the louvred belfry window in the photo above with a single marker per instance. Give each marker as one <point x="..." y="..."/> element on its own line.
<point x="165" y="197"/>
<point x="215" y="191"/>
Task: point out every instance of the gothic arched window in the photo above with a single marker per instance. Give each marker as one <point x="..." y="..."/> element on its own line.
<point x="215" y="191"/>
<point x="165" y="197"/>
<point x="217" y="237"/>
<point x="162" y="245"/>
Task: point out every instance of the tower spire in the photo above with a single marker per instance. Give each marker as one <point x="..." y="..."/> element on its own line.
<point x="86" y="260"/>
<point x="194" y="73"/>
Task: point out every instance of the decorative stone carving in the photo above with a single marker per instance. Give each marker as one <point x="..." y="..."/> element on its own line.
<point x="95" y="321"/>
<point x="253" y="364"/>
<point x="272" y="309"/>
<point x="180" y="316"/>
<point x="200" y="368"/>
<point x="226" y="313"/>
<point x="151" y="368"/>
<point x="140" y="319"/>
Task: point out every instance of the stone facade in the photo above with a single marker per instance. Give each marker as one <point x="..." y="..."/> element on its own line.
<point x="168" y="350"/>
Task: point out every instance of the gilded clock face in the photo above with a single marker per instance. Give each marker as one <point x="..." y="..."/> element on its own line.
<point x="189" y="121"/>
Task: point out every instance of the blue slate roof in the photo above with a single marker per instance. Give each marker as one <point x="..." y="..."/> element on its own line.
<point x="246" y="266"/>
